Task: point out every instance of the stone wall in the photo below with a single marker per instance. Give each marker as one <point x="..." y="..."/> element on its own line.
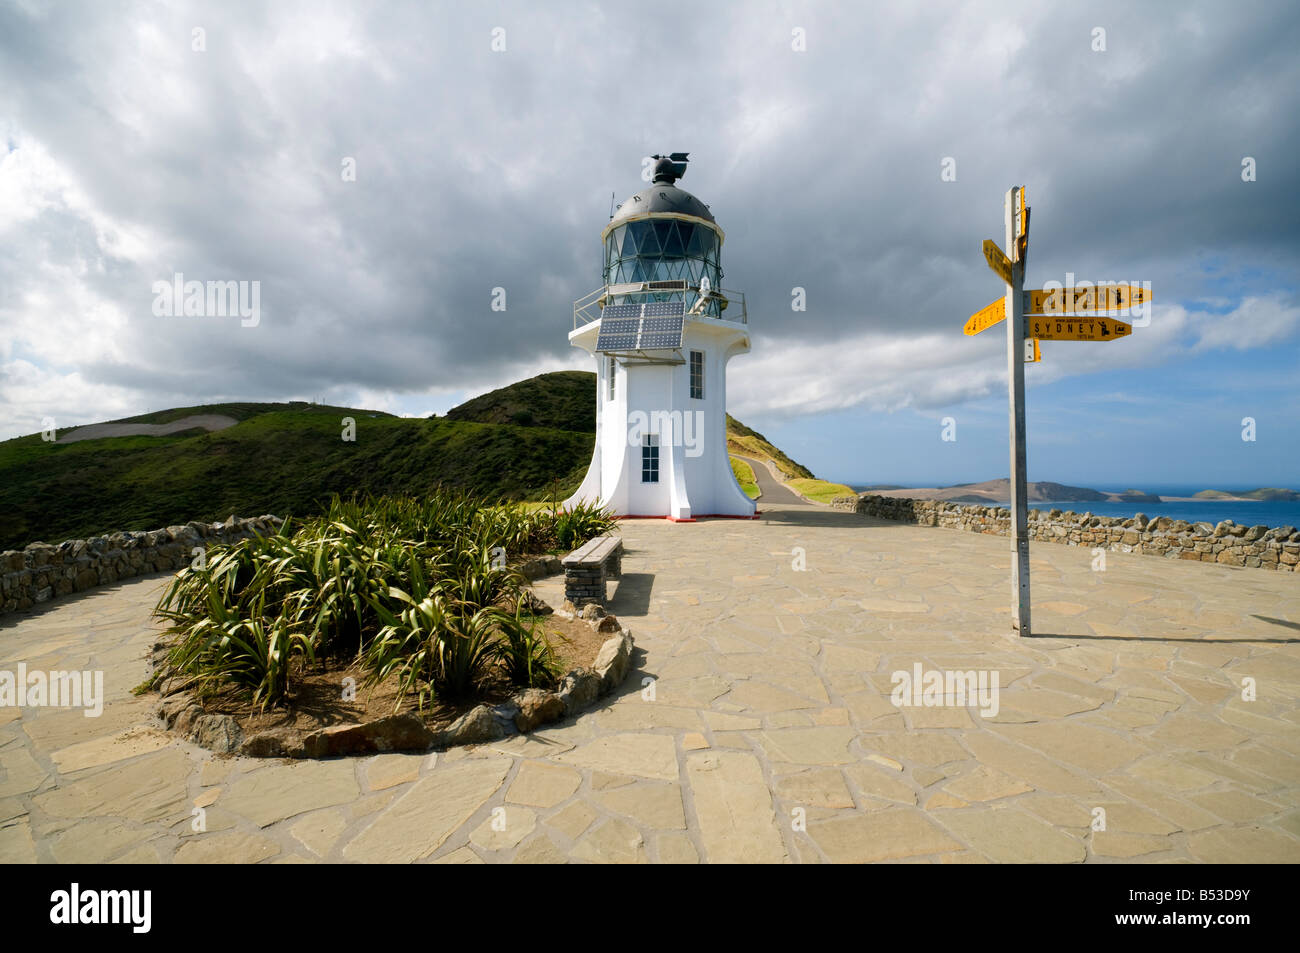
<point x="42" y="572"/>
<point x="1228" y="543"/>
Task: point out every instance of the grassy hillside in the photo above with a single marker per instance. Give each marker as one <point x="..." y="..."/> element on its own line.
<point x="564" y="400"/>
<point x="741" y="439"/>
<point x="243" y="411"/>
<point x="525" y="441"/>
<point x="820" y="491"/>
<point x="744" y="475"/>
<point x="281" y="461"/>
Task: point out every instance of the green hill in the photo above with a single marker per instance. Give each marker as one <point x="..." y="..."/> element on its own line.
<point x="275" y="461"/>
<point x="525" y="441"/>
<point x="741" y="439"/>
<point x="564" y="400"/>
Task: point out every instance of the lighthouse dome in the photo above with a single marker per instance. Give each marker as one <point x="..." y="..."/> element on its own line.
<point x="661" y="198"/>
<point x="663" y="233"/>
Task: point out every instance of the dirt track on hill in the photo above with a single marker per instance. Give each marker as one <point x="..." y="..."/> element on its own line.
<point x="98" y="431"/>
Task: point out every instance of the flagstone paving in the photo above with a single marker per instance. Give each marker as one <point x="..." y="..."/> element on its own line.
<point x="757" y="724"/>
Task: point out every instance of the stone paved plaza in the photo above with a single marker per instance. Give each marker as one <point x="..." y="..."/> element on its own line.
<point x="766" y="731"/>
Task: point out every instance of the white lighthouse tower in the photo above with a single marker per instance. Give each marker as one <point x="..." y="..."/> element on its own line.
<point x="662" y="330"/>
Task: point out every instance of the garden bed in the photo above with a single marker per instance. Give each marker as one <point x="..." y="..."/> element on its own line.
<point x="318" y="720"/>
<point x="386" y="624"/>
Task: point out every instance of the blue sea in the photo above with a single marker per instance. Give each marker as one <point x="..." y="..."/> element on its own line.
<point x="1210" y="511"/>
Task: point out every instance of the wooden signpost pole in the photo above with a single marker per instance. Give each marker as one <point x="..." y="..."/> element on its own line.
<point x="1017" y="240"/>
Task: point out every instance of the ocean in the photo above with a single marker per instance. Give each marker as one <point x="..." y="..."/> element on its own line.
<point x="1254" y="513"/>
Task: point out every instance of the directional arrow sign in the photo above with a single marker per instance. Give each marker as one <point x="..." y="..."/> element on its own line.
<point x="1076" y="329"/>
<point x="1087" y="298"/>
<point x="986" y="317"/>
<point x="999" y="262"/>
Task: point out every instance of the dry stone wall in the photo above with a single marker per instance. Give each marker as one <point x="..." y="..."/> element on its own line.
<point x="1255" y="546"/>
<point x="42" y="571"/>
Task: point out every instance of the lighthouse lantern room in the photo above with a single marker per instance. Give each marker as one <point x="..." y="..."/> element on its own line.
<point x="661" y="330"/>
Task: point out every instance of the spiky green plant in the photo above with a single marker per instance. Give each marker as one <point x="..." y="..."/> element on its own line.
<point x="415" y="587"/>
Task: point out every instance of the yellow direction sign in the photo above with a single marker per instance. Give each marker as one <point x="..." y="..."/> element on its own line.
<point x="986" y="317"/>
<point x="1076" y="329"/>
<point x="1087" y="298"/>
<point x="1032" y="354"/>
<point x="999" y="262"/>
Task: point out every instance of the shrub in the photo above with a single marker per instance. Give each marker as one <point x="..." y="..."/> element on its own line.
<point x="412" y="587"/>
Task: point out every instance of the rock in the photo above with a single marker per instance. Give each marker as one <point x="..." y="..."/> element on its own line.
<point x="613" y="661"/>
<point x="533" y="569"/>
<point x="404" y="732"/>
<point x="276" y="743"/>
<point x="474" y="727"/>
<point x="185" y="718"/>
<point x="609" y="624"/>
<point x="578" y="689"/>
<point x="529" y="602"/>
<point x="1254" y="533"/>
<point x="537" y="707"/>
<point x="219" y="733"/>
<point x="592" y="611"/>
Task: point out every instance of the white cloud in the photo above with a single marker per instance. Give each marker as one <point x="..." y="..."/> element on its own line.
<point x="1256" y="322"/>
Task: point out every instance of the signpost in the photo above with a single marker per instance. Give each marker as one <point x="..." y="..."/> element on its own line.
<point x="1017" y="228"/>
<point x="1078" y="329"/>
<point x="986" y="317"/>
<point x="1085" y="298"/>
<point x="1061" y="301"/>
<point x="997" y="261"/>
<point x="1053" y="317"/>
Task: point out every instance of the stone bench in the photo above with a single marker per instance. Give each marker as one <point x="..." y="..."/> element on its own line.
<point x="587" y="568"/>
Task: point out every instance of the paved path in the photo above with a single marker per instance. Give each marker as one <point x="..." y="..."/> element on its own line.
<point x="773" y="490"/>
<point x="765" y="731"/>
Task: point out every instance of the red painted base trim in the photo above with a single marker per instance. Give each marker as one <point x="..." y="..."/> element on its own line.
<point x="703" y="516"/>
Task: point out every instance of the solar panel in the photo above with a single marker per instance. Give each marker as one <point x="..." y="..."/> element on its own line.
<point x="621" y="311"/>
<point x="654" y="325"/>
<point x="660" y="308"/>
<point x="660" y="332"/>
<point x="618" y="333"/>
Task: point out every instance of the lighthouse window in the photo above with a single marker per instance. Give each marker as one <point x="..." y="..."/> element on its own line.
<point x="650" y="458"/>
<point x="613" y="366"/>
<point x="697" y="375"/>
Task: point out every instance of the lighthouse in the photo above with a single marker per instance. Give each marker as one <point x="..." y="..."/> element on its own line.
<point x="661" y="330"/>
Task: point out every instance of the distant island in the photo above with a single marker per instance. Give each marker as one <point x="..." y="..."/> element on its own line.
<point x="1271" y="494"/>
<point x="999" y="491"/>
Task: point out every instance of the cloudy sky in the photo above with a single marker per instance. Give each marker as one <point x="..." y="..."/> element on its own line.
<point x="142" y="140"/>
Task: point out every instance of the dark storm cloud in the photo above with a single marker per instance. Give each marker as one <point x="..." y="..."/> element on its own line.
<point x="479" y="169"/>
